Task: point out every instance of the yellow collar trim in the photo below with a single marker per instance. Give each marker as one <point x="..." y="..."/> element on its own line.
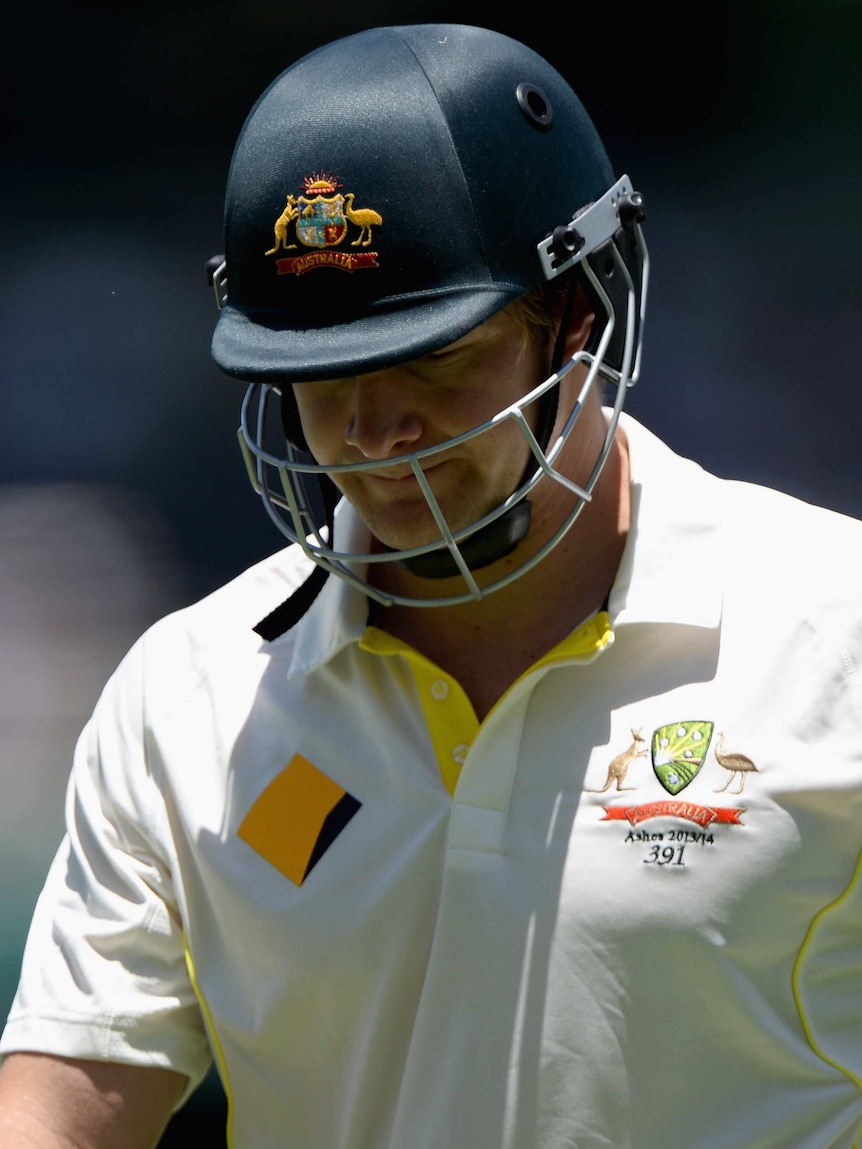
<point x="449" y="716"/>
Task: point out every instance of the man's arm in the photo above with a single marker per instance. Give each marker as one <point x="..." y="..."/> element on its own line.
<point x="64" y="1103"/>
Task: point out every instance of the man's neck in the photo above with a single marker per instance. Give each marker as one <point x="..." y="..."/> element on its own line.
<point x="486" y="645"/>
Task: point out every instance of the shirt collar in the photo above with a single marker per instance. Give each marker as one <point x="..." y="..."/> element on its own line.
<point x="339" y="614"/>
<point x="671" y="566"/>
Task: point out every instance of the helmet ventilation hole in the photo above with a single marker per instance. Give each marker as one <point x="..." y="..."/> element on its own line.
<point x="535" y="105"/>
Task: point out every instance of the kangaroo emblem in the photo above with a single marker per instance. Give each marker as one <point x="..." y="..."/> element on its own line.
<point x="290" y="213"/>
<point x="618" y="767"/>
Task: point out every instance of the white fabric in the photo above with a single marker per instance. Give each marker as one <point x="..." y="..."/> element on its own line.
<point x="537" y="963"/>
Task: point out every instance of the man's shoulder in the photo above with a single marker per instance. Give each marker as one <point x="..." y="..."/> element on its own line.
<point x="227" y="616"/>
<point x="773" y="523"/>
<point x="789" y="547"/>
<point x="759" y="543"/>
<point x="761" y="515"/>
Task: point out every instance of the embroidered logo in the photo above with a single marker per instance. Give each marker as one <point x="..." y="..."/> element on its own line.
<point x="320" y="219"/>
<point x="688" y="811"/>
<point x="297" y="818"/>
<point x="678" y="752"/>
<point x="738" y="764"/>
<point x="618" y="767"/>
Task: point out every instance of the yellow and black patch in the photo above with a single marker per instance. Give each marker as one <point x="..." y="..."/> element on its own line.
<point x="297" y="818"/>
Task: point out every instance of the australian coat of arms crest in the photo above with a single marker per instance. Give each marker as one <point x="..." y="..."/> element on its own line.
<point x="319" y="220"/>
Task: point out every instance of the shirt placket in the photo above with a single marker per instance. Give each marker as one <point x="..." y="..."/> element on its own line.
<point x="450" y="718"/>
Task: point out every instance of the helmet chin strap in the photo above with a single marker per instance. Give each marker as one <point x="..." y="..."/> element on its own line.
<point x="492" y="542"/>
<point x="505" y="533"/>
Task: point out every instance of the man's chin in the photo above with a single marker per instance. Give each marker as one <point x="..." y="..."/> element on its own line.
<point x="408" y="526"/>
<point x="406" y="541"/>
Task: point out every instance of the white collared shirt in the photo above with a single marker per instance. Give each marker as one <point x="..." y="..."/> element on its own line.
<point x="621" y="911"/>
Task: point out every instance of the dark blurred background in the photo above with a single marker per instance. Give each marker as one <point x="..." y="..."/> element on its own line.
<point x="122" y="492"/>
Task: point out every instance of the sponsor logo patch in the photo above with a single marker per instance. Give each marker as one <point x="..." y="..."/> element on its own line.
<point x="297" y="818"/>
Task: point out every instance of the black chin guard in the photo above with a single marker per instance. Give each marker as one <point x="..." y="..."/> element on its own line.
<point x="492" y="542"/>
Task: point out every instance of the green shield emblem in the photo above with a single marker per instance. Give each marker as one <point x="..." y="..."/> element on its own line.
<point x="678" y="752"/>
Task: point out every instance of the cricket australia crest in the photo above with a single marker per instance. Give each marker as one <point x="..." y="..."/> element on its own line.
<point x="320" y="219"/>
<point x="678" y="752"/>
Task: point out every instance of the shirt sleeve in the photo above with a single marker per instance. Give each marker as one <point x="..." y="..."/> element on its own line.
<point x="104" y="972"/>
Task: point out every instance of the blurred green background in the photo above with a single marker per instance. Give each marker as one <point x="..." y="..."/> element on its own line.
<point x="122" y="493"/>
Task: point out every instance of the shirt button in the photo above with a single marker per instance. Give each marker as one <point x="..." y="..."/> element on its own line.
<point x="459" y="754"/>
<point x="439" y="690"/>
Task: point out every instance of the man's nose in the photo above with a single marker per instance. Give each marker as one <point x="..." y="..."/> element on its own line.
<point x="383" y="419"/>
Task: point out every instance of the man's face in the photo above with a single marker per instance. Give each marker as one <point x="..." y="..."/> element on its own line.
<point x="420" y="404"/>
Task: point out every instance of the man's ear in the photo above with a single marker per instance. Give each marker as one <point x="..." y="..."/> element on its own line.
<point x="581" y="319"/>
